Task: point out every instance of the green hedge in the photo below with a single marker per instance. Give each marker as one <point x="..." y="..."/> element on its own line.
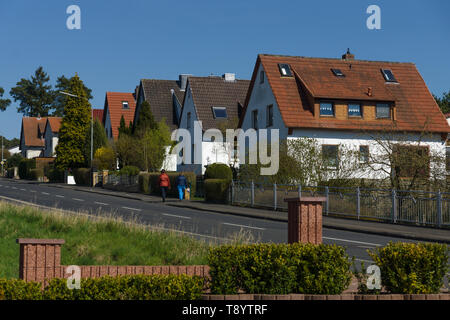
<point x="279" y="269"/>
<point x="16" y="289"/>
<point x="82" y="176"/>
<point x="412" y="268"/>
<point x="218" y="171"/>
<point x="130" y="287"/>
<point x="129" y="171"/>
<point x="216" y="190"/>
<point x="25" y="167"/>
<point x="148" y="182"/>
<point x="55" y="175"/>
<point x="36" y="174"/>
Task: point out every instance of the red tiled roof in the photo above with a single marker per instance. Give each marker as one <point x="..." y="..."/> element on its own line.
<point x="414" y="103"/>
<point x="55" y="123"/>
<point x="114" y="104"/>
<point x="98" y="114"/>
<point x="30" y="131"/>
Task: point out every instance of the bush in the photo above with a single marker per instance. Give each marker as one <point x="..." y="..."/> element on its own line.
<point x="82" y="176"/>
<point x="412" y="268"/>
<point x="55" y="175"/>
<point x="218" y="171"/>
<point x="17" y="289"/>
<point x="216" y="190"/>
<point x="154" y="188"/>
<point x="130" y="287"/>
<point x="14" y="160"/>
<point x="129" y="171"/>
<point x="279" y="269"/>
<point x="144" y="183"/>
<point x="25" y="166"/>
<point x="36" y="174"/>
<point x="104" y="158"/>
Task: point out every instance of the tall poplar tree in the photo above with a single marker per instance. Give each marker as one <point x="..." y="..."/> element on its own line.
<point x="75" y="123"/>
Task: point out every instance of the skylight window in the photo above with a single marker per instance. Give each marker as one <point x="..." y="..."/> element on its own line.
<point x="388" y="75"/>
<point x="285" y="70"/>
<point x="219" y="112"/>
<point x="338" y="72"/>
<point x="125" y="105"/>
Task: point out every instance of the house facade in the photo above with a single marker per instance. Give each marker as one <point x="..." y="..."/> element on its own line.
<point x="51" y="132"/>
<point x="210" y="103"/>
<point x="117" y="104"/>
<point x="32" y="142"/>
<point x="344" y="102"/>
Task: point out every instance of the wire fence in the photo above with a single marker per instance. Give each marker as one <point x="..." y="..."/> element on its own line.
<point x="396" y="206"/>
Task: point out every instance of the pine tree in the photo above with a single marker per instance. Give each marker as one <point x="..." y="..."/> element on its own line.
<point x="74" y="125"/>
<point x="146" y="121"/>
<point x="3" y="102"/>
<point x="123" y="129"/>
<point x="36" y="96"/>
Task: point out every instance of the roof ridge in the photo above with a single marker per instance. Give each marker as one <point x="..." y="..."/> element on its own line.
<point x="334" y="59"/>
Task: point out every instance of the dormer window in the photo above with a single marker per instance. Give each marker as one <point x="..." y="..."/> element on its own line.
<point x="388" y="75"/>
<point x="219" y="112"/>
<point x="338" y="73"/>
<point x="285" y="70"/>
<point x="327" y="109"/>
<point x="125" y="105"/>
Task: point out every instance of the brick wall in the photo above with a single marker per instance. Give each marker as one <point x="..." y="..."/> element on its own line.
<point x="40" y="261"/>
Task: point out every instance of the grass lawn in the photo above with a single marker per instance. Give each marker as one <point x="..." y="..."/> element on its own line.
<point x="93" y="241"/>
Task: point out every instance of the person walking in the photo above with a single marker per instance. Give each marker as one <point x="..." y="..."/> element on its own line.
<point x="181" y="185"/>
<point x="164" y="184"/>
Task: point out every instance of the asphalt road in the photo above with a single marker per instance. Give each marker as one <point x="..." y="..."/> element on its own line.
<point x="207" y="225"/>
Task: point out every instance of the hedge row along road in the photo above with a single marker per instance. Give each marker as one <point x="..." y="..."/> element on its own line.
<point x="206" y="225"/>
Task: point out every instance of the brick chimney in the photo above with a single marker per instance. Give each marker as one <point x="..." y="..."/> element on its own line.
<point x="348" y="56"/>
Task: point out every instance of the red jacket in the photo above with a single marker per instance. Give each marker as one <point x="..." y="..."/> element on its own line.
<point x="164" y="180"/>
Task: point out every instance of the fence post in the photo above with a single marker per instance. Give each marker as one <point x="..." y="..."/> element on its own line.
<point x="394" y="206"/>
<point x="358" y="202"/>
<point x="253" y="193"/>
<point x="299" y="190"/>
<point x="439" y="208"/>
<point x="327" y="198"/>
<point x="275" y="196"/>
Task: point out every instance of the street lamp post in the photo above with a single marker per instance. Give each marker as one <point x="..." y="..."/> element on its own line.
<point x="92" y="128"/>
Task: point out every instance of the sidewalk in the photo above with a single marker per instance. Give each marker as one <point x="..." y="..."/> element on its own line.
<point x="378" y="228"/>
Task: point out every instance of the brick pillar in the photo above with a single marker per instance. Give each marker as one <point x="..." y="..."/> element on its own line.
<point x="40" y="259"/>
<point x="305" y="219"/>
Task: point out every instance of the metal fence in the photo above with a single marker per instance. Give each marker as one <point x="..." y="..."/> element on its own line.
<point x="395" y="206"/>
<point x="124" y="180"/>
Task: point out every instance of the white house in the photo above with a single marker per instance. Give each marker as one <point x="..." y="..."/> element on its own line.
<point x="343" y="102"/>
<point x="212" y="103"/>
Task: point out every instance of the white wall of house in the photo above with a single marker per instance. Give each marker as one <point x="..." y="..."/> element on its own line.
<point x="33" y="153"/>
<point x="14" y="150"/>
<point x="170" y="161"/>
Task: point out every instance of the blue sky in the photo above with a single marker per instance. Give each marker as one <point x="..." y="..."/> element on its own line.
<point x="121" y="42"/>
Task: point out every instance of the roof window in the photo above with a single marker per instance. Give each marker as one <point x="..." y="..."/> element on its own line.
<point x="338" y="72"/>
<point x="219" y="112"/>
<point x="388" y="75"/>
<point x="285" y="70"/>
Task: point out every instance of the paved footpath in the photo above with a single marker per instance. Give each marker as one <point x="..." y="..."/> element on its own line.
<point x="385" y="229"/>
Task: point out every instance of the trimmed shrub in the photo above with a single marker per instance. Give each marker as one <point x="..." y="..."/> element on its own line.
<point x="25" y="166"/>
<point x="144" y="183"/>
<point x="279" y="269"/>
<point x="216" y="190"/>
<point x="218" y="171"/>
<point x="55" y="175"/>
<point x="36" y="174"/>
<point x="17" y="289"/>
<point x="130" y="287"/>
<point x="412" y="268"/>
<point x="82" y="176"/>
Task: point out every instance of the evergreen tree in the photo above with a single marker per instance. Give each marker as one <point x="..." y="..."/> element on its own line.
<point x="62" y="84"/>
<point x="36" y="96"/>
<point x="74" y="125"/>
<point x="123" y="129"/>
<point x="146" y="121"/>
<point x="444" y="102"/>
<point x="4" y="103"/>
